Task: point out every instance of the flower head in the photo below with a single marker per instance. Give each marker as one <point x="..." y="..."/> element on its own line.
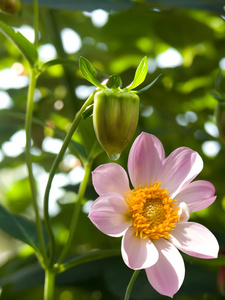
<point x="152" y="217"/>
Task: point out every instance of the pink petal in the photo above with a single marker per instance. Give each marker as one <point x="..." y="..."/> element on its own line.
<point x="197" y="195"/>
<point x="179" y="168"/>
<point x="194" y="239"/>
<point x="138" y="253"/>
<point x="167" y="275"/>
<point x="110" y="178"/>
<point x="145" y="159"/>
<point x="109" y="214"/>
<point x="184" y="212"/>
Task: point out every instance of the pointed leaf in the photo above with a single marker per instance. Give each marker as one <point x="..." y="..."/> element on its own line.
<point x="89" y="72"/>
<point x="149" y="85"/>
<point x="26" y="47"/>
<point x="140" y="74"/>
<point x="19" y="228"/>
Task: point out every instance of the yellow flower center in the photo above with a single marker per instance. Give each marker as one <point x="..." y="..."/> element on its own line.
<point x="152" y="211"/>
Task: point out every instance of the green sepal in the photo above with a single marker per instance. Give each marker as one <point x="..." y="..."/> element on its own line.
<point x="88" y="112"/>
<point x="140" y="74"/>
<point x="148" y="86"/>
<point x="26" y="47"/>
<point x="89" y="72"/>
<point x="114" y="82"/>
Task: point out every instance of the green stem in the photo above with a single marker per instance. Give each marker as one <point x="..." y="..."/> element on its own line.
<point x="29" y="112"/>
<point x="76" y="213"/>
<point x="49" y="285"/>
<point x="36" y="21"/>
<point x="53" y="171"/>
<point x="130" y="285"/>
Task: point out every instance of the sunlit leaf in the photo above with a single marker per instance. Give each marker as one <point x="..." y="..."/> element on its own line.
<point x="26" y="47"/>
<point x="89" y="72"/>
<point x="140" y="74"/>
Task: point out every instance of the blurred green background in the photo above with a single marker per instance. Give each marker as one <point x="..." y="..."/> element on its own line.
<point x="185" y="42"/>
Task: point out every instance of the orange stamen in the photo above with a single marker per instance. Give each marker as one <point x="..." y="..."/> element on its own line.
<point x="152" y="211"/>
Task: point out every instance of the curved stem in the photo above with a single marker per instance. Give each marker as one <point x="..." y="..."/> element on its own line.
<point x="53" y="171"/>
<point x="29" y="112"/>
<point x="49" y="285"/>
<point x="130" y="285"/>
<point x="91" y="256"/>
<point x="76" y="213"/>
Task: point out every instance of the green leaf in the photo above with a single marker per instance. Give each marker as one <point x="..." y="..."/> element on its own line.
<point x="148" y="86"/>
<point x="140" y="74"/>
<point x="89" y="72"/>
<point x="114" y="82"/>
<point x="26" y="47"/>
<point x="19" y="227"/>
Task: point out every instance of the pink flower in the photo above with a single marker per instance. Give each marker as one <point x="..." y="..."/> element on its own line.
<point x="153" y="217"/>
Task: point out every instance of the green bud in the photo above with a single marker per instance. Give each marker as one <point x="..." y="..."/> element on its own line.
<point x="220" y="119"/>
<point x="115" y="118"/>
<point x="10" y="6"/>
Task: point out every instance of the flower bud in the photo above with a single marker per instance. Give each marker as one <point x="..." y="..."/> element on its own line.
<point x="10" y="6"/>
<point x="115" y="118"/>
<point x="220" y="119"/>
